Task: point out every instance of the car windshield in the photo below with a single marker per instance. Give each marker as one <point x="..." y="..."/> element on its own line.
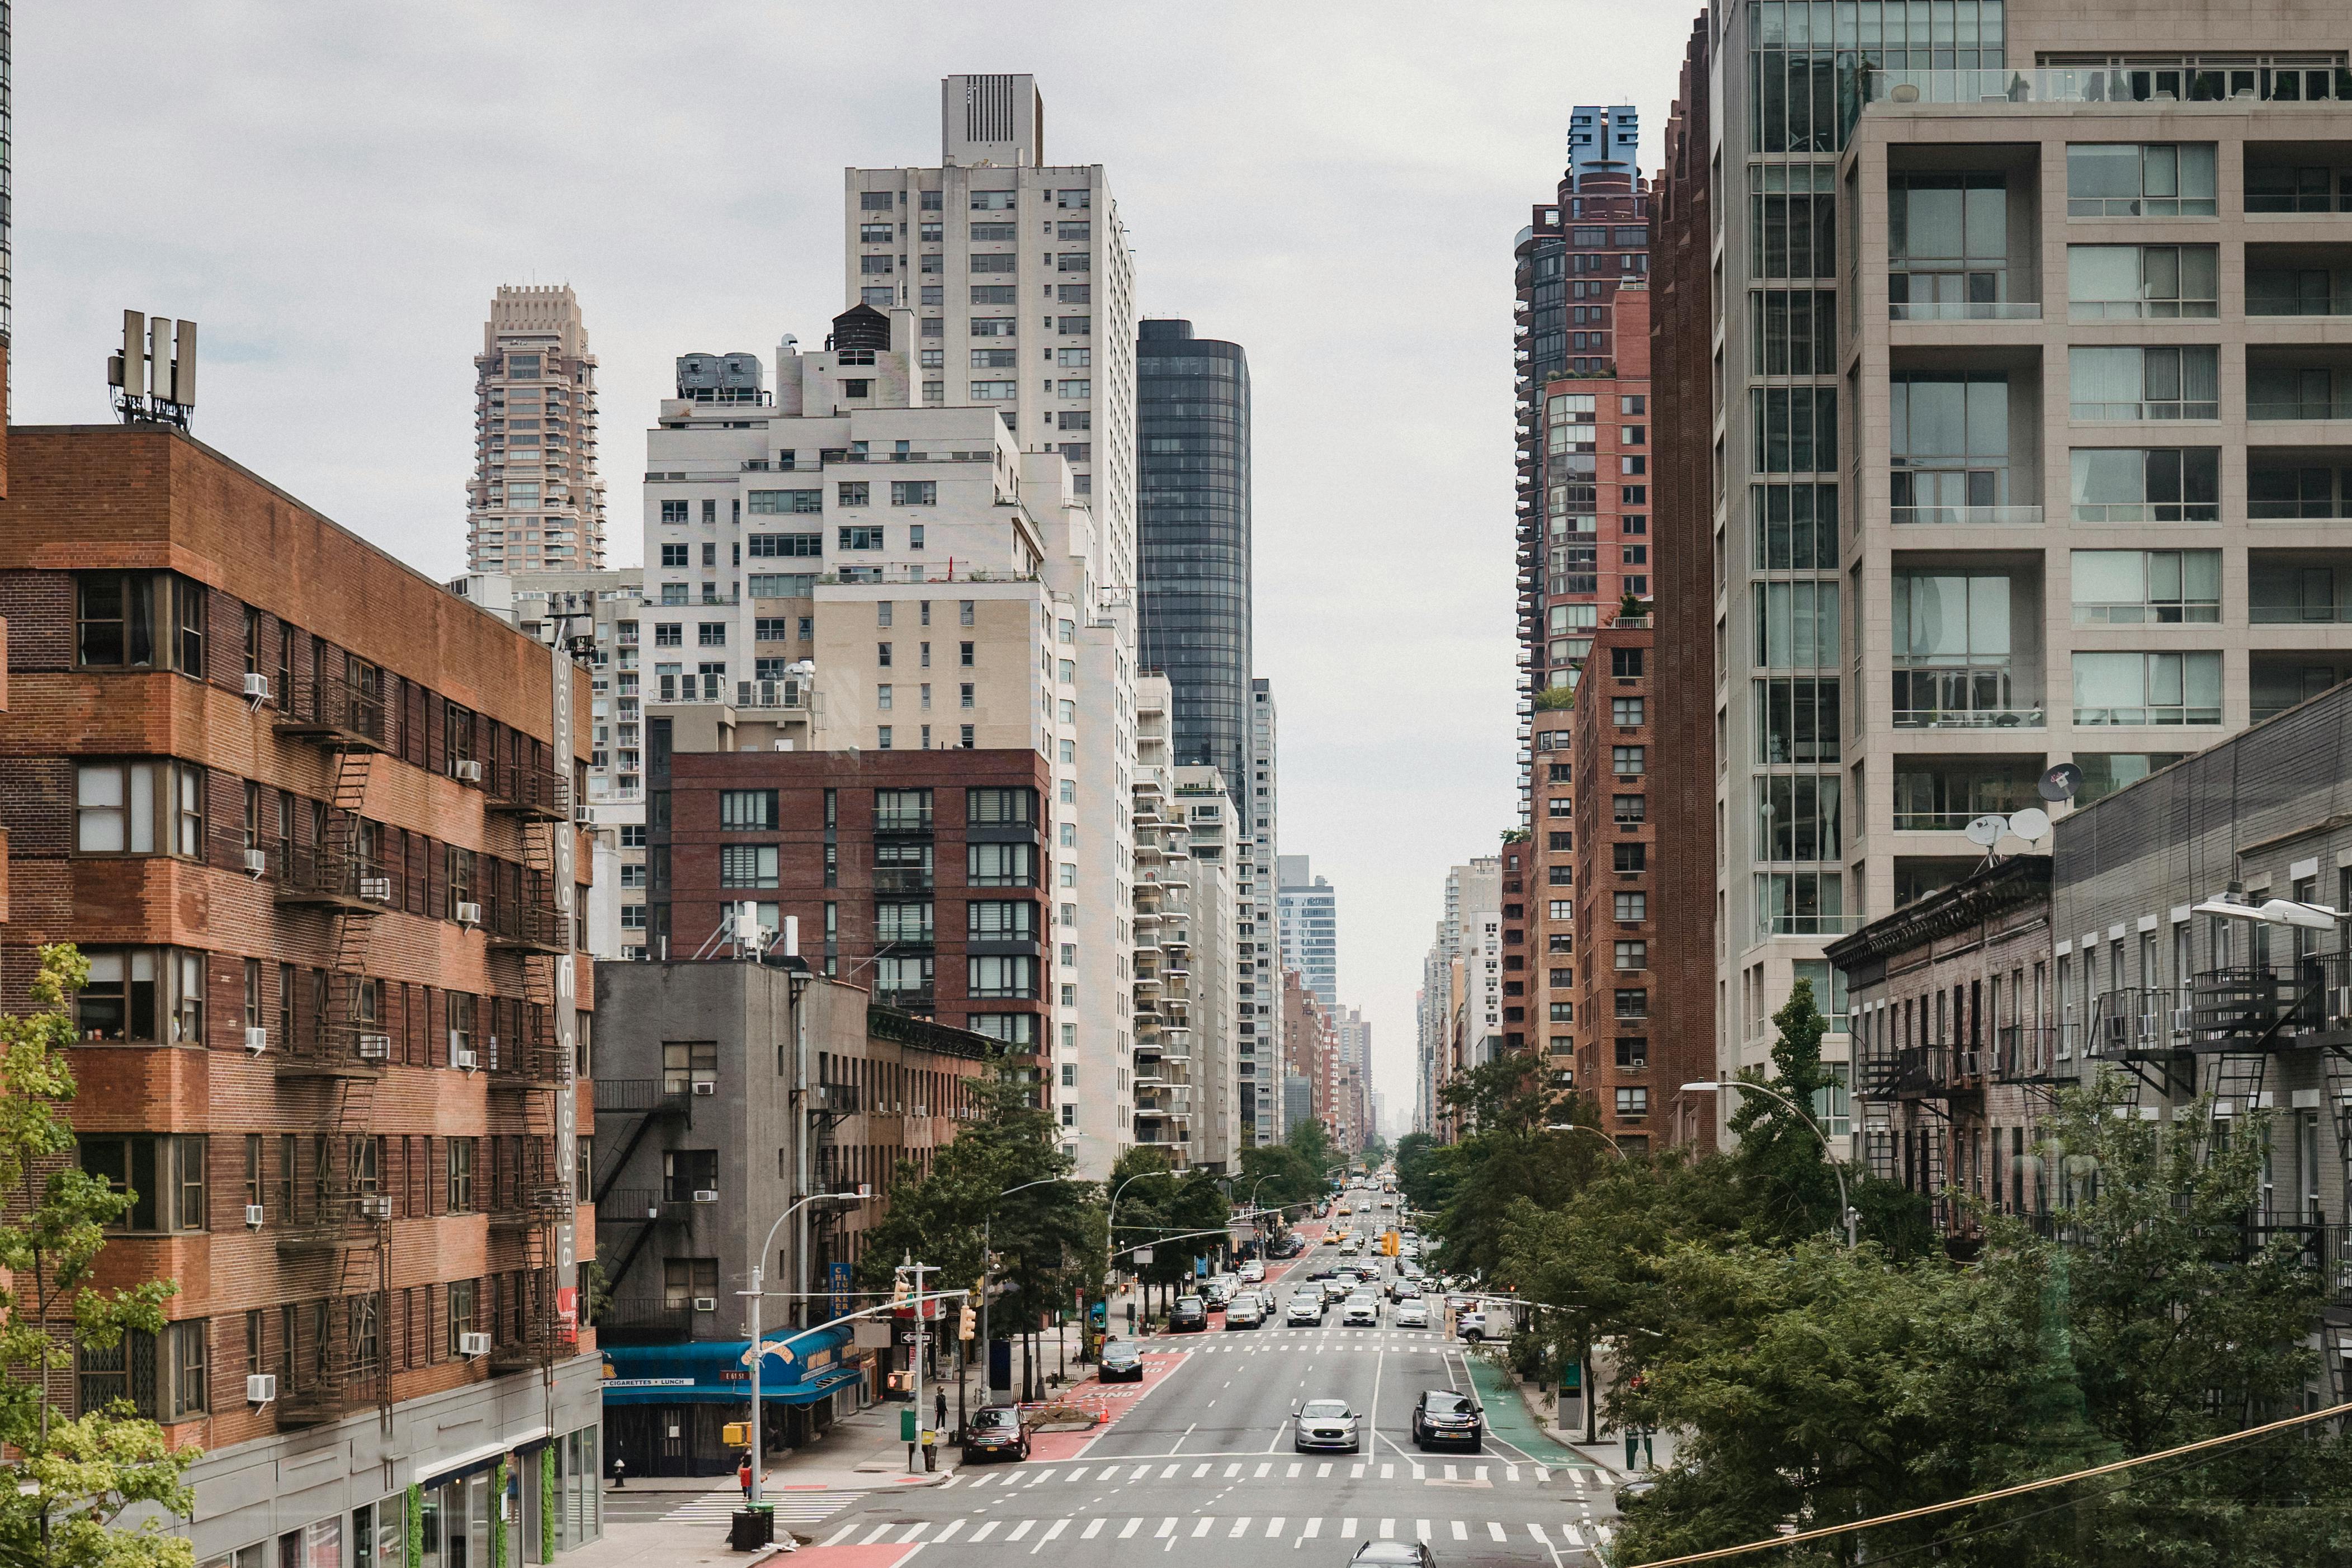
<point x="1188" y="1303"/>
<point x="1447" y="1404"/>
<point x="995" y="1418"/>
<point x="1323" y="1409"/>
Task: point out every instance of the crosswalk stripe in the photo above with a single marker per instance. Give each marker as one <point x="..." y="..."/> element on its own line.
<point x="1078" y="1474"/>
<point x="840" y="1536"/>
<point x="1292" y="1474"/>
<point x="1322" y="1469"/>
<point x="1419" y="1473"/>
<point x="1132" y="1525"/>
<point x="915" y="1532"/>
<point x="1202" y="1528"/>
<point x="1537" y="1531"/>
<point x="1262" y="1469"/>
<point x="1347" y="1527"/>
<point x="1041" y="1477"/>
<point x="1575" y="1536"/>
<point x="1356" y="1473"/>
<point x="983" y="1533"/>
<point x="1510" y="1472"/>
<point x="1543" y="1474"/>
<point x="1452" y="1473"/>
<point x="1388" y="1530"/>
<point x="944" y="1536"/>
<point x="1240" y="1529"/>
<point x="1388" y="1472"/>
<point x="1495" y="1531"/>
<point x="1167" y="1528"/>
<point x="1170" y="1473"/>
<point x="1093" y="1529"/>
<point x="1480" y="1473"/>
<point x="1054" y="1530"/>
<point x="1021" y="1529"/>
<point x="1461" y="1530"/>
<point x="1233" y="1470"/>
<point x="1421" y="1529"/>
<point x="1141" y="1471"/>
<point x="1274" y="1528"/>
<point x="948" y="1482"/>
<point x="1202" y="1471"/>
<point x="1314" y="1528"/>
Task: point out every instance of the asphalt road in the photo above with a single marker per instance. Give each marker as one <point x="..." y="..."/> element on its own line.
<point x="1205" y="1459"/>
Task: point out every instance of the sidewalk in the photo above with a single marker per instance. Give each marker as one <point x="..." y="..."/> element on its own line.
<point x="1607" y="1455"/>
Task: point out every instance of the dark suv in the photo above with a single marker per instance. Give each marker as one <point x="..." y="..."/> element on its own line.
<point x="1441" y="1416"/>
<point x="994" y="1433"/>
<point x="1189" y="1316"/>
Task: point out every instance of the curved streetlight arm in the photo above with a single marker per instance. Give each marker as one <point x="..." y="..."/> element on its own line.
<point x="759" y="1354"/>
<point x="1837" y="1166"/>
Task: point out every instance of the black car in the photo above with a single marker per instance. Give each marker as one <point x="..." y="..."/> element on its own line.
<point x="1396" y="1555"/>
<point x="1189" y="1316"/>
<point x="994" y="1433"/>
<point x="1441" y="1416"/>
<point x="1121" y="1362"/>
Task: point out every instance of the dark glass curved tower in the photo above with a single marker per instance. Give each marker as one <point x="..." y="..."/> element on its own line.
<point x="1192" y="516"/>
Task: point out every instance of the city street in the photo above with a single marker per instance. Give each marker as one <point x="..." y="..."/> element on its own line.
<point x="1206" y="1456"/>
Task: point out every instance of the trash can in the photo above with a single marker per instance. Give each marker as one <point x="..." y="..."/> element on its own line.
<point x="752" y="1528"/>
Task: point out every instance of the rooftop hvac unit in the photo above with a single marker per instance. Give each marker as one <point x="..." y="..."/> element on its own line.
<point x="254" y="1215"/>
<point x="470" y="914"/>
<point x="260" y="1388"/>
<point x="705" y="1086"/>
<point x="256" y="1040"/>
<point x="466" y="771"/>
<point x="706" y="1194"/>
<point x="257" y="686"/>
<point x="706" y="1303"/>
<point x="257" y="863"/>
<point x="375" y="1047"/>
<point x="473" y="1344"/>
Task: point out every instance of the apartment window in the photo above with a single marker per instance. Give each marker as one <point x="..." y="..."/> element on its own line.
<point x="1793" y="429"/>
<point x="1798" y="818"/>
<point x="668" y="633"/>
<point x="1799" y="903"/>
<point x="1625" y="712"/>
<point x="1002" y="865"/>
<point x="1632" y="1102"/>
<point x="1629" y="809"/>
<point x="2159" y="282"/>
<point x="2148" y="688"/>
<point x="747" y="865"/>
<point x="2146" y="587"/>
<point x="914" y="492"/>
<point x="1633" y="956"/>
<point x="685" y="1063"/>
<point x="140" y="808"/>
<point x="995" y="919"/>
<point x="710" y="634"/>
<point x="688" y="1282"/>
<point x="1633" y="1003"/>
<point x="1796" y="624"/>
<point x="995" y="805"/>
<point x="2128" y="179"/>
<point x="1562" y="908"/>
<point x="964" y="655"/>
<point x="772" y="501"/>
<point x="1632" y="909"/>
<point x="995" y="359"/>
<point x="998" y="976"/>
<point x="458" y="1173"/>
<point x="678" y="511"/>
<point x="874" y="200"/>
<point x="861" y="539"/>
<point x="140" y="620"/>
<point x="1626" y="663"/>
<point x="1793" y="235"/>
<point x="1949" y="449"/>
<point x="142" y="995"/>
<point x="1630" y="857"/>
<point x="902" y="811"/>
<point x="2138" y="384"/>
<point x="162" y="1177"/>
<point x="2130" y="484"/>
<point x="1628" y="761"/>
<point x="462" y="1304"/>
<point x="1947" y="247"/>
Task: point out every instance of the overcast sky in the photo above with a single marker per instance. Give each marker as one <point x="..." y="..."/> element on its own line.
<point x="333" y="191"/>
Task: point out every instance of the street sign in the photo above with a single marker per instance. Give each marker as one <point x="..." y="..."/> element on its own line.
<point x="1142" y="1255"/>
<point x="910" y="1336"/>
<point x="838" y="1282"/>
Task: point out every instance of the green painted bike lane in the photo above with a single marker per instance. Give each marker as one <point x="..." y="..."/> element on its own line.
<point x="1507" y="1417"/>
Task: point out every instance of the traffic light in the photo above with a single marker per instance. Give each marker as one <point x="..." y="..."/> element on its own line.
<point x="967" y="1322"/>
<point x="736" y="1434"/>
<point x="901" y="1290"/>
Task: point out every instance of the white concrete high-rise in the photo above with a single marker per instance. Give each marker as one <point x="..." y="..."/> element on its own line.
<point x="1308" y="909"/>
<point x="535" y="503"/>
<point x="1258" y="991"/>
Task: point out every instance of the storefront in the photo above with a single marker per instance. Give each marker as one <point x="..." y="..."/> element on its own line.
<point x="665" y="1405"/>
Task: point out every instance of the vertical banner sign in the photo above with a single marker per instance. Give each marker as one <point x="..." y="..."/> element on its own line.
<point x="837" y="1281"/>
<point x="565" y="846"/>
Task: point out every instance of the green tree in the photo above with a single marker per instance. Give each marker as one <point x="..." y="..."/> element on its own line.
<point x="1507" y="1155"/>
<point x="1312" y="1140"/>
<point x="1416" y="1153"/>
<point x="1376" y="1151"/>
<point x="76" y="1476"/>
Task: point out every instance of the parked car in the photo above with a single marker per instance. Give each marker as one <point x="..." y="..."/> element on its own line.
<point x="995" y="1432"/>
<point x="1121" y="1361"/>
<point x="1327" y="1423"/>
<point x="1189" y="1316"/>
<point x="1444" y="1416"/>
<point x="1252" y="1272"/>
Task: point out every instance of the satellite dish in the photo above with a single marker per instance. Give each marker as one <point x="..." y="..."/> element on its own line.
<point x="2033" y="824"/>
<point x="1986" y="831"/>
<point x="2061" y="781"/>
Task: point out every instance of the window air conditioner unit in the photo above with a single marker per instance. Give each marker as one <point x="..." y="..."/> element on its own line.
<point x="254" y="1215"/>
<point x="462" y="1060"/>
<point x="706" y="1303"/>
<point x="260" y="1388"/>
<point x="706" y="1194"/>
<point x="473" y="1344"/>
<point x="705" y="1086"/>
<point x="257" y="686"/>
<point x="375" y="1047"/>
<point x="376" y="889"/>
<point x="375" y="1205"/>
<point x="470" y="914"/>
<point x="256" y="862"/>
<point x="256" y="1040"/>
<point x="466" y="771"/>
<point x="583" y="817"/>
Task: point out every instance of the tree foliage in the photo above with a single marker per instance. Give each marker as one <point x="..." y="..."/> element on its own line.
<point x="77" y="1476"/>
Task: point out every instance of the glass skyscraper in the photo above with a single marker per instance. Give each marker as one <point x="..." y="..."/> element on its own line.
<point x="1192" y="511"/>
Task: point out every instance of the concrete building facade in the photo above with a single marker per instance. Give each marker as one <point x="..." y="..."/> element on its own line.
<point x="1257" y="851"/>
<point x="1306" y="910"/>
<point x="535" y="503"/>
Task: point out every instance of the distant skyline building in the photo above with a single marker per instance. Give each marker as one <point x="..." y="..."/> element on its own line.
<point x="1257" y="838"/>
<point x="1308" y="909"/>
<point x="1192" y="522"/>
<point x="536" y="503"/>
<point x="1355" y="1037"/>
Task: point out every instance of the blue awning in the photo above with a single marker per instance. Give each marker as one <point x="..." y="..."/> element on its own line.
<point x="707" y="1372"/>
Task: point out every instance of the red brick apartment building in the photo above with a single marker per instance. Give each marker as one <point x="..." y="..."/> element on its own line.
<point x="920" y="876"/>
<point x="309" y="818"/>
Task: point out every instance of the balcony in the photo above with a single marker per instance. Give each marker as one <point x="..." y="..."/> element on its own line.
<point x="1980" y="697"/>
<point x="2278" y="681"/>
<point x="2137" y="1023"/>
<point x="2298" y="280"/>
<point x="1944" y="794"/>
<point x="338" y="714"/>
<point x="541" y="792"/>
<point x="526" y="926"/>
<point x="2298" y="588"/>
<point x="2105" y="84"/>
<point x="326" y="876"/>
<point x="1924" y="1072"/>
<point x="1966" y="516"/>
<point x="629" y="1205"/>
<point x="2026" y="1053"/>
<point x="644" y="1321"/>
<point x="903" y="878"/>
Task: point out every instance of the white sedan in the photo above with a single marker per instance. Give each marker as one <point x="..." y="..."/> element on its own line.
<point x="1410" y="1314"/>
<point x="1306" y="1306"/>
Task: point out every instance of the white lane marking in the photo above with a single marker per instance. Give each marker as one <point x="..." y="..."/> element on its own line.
<point x="1480" y="1473"/>
<point x="1346" y="1527"/>
<point x="1093" y="1529"/>
<point x="1454" y="1474"/>
<point x="1170" y="1473"/>
<point x="1202" y="1528"/>
<point x="1021" y="1529"/>
<point x="1356" y="1472"/>
<point x="1461" y="1530"/>
<point x="878" y="1531"/>
<point x="1041" y="1477"/>
<point x="1200" y="1471"/>
<point x="948" y="1482"/>
<point x="1260" y="1473"/>
<point x="1537" y="1531"/>
<point x="1056" y="1529"/>
<point x="1078" y="1474"/>
<point x="1232" y="1470"/>
<point x="915" y="1531"/>
<point x="1495" y="1530"/>
<point x="1314" y="1528"/>
<point x="1167" y="1528"/>
<point x="1388" y="1530"/>
<point x="1274" y="1528"/>
<point x="1421" y="1529"/>
<point x="1130" y="1528"/>
<point x="1420" y="1473"/>
<point x="1324" y="1469"/>
<point x="983" y="1532"/>
<point x="1388" y="1472"/>
<point x="1240" y="1529"/>
<point x="1575" y="1536"/>
<point x="839" y="1536"/>
<point x="1292" y="1474"/>
<point x="1141" y="1471"/>
<point x="949" y="1534"/>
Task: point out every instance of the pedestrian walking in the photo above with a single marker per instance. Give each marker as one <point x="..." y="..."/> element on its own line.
<point x="939" y="1409"/>
<point x="744" y="1474"/>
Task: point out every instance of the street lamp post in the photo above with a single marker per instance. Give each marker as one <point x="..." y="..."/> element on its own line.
<point x="758" y="1355"/>
<point x="987" y="1237"/>
<point x="1837" y="1168"/>
<point x="1616" y="1147"/>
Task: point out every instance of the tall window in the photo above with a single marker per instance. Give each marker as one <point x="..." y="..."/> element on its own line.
<point x="1949" y="446"/>
<point x="1947" y="245"/>
<point x="140" y="620"/>
<point x="2109" y="382"/>
<point x="2131" y="179"/>
<point x="140" y="808"/>
<point x="461" y="1174"/>
<point x="2158" y="282"/>
<point x="1952" y="649"/>
<point x="685" y="1063"/>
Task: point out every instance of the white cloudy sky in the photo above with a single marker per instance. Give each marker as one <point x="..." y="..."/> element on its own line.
<point x="333" y="191"/>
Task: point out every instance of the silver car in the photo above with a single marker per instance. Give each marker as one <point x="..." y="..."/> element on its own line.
<point x="1327" y="1423"/>
<point x="1360" y="1312"/>
<point x="1413" y="1313"/>
<point x="1306" y="1306"/>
